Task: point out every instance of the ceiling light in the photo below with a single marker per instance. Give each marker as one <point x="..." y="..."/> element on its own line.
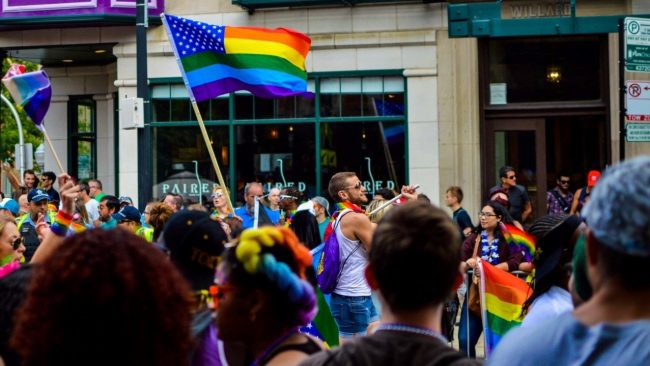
<point x="100" y="51"/>
<point x="67" y="60"/>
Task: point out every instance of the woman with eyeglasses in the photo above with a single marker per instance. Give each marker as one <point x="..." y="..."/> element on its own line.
<point x="488" y="243"/>
<point x="221" y="209"/>
<point x="265" y="293"/>
<point x="12" y="246"/>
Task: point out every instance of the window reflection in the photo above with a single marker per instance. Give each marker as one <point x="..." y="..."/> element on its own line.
<point x="260" y="147"/>
<point x="175" y="149"/>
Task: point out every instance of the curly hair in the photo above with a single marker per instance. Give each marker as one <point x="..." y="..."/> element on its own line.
<point x="105" y="298"/>
<point x="159" y="213"/>
<point x="274" y="260"/>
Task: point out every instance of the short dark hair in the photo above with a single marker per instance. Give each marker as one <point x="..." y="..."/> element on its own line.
<point x="415" y="256"/>
<point x="338" y="183"/>
<point x="29" y="171"/>
<point x="294" y="192"/>
<point x="111" y="202"/>
<point x="457" y="192"/>
<point x="503" y="172"/>
<point x="50" y="175"/>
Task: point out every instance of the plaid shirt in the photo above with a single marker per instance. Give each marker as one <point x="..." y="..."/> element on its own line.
<point x="554" y="206"/>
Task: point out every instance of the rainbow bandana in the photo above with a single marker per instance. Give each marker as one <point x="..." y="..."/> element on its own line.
<point x="340" y="207"/>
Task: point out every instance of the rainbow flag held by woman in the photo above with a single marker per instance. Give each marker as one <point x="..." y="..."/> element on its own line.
<point x="502" y="297"/>
<point x="216" y="59"/>
<point x="520" y="238"/>
<point x="30" y="90"/>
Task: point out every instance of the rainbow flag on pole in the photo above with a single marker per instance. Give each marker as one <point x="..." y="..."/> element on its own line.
<point x="502" y="297"/>
<point x="32" y="91"/>
<point x="216" y="59"/>
<point x="520" y="238"/>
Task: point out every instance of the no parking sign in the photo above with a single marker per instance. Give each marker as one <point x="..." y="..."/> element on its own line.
<point x="638" y="100"/>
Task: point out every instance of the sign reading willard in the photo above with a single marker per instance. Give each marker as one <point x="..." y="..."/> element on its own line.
<point x="527" y="9"/>
<point x="637" y="44"/>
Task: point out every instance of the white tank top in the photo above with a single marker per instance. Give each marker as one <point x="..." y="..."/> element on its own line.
<point x="353" y="280"/>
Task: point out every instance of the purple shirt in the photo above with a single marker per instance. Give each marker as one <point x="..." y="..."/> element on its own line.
<point x="554" y="206"/>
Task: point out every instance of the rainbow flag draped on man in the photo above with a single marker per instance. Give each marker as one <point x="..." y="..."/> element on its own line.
<point x="502" y="297"/>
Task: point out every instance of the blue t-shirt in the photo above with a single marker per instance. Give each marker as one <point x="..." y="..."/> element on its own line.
<point x="248" y="220"/>
<point x="565" y="341"/>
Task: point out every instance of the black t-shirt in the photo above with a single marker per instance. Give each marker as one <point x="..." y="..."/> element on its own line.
<point x="389" y="347"/>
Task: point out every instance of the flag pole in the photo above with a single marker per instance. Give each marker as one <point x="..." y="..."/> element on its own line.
<point x="49" y="143"/>
<point x="215" y="164"/>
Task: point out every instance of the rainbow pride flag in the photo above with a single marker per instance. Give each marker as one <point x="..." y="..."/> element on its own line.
<point x="520" y="238"/>
<point x="502" y="297"/>
<point x="32" y="91"/>
<point x="216" y="59"/>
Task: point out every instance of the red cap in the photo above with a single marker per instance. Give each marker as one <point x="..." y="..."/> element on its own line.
<point x="592" y="178"/>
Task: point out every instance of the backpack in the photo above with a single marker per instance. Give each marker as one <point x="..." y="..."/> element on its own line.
<point x="330" y="268"/>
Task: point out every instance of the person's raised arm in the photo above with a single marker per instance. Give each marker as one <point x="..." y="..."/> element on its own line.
<point x="59" y="228"/>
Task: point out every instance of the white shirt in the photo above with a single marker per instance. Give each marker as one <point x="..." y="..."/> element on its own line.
<point x="551" y="304"/>
<point x="353" y="279"/>
<point x="92" y="207"/>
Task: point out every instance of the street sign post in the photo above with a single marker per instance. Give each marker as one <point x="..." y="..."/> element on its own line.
<point x="637" y="100"/>
<point x="637" y="44"/>
<point x="638" y="132"/>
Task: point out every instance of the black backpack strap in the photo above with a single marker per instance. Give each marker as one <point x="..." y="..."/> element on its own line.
<point x="560" y="200"/>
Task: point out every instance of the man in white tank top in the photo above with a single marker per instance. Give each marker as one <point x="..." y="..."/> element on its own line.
<point x="351" y="303"/>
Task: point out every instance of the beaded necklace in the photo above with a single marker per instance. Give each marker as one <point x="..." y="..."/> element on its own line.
<point x="289" y="217"/>
<point x="413" y="329"/>
<point x="489" y="250"/>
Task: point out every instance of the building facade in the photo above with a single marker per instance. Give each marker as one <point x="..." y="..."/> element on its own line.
<point x="413" y="92"/>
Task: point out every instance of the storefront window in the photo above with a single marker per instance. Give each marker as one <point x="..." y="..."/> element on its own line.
<point x="175" y="152"/>
<point x="277" y="153"/>
<point x="283" y="147"/>
<point x="83" y="137"/>
<point x="373" y="150"/>
<point x="549" y="69"/>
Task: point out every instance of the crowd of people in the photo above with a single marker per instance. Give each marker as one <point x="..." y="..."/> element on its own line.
<point x="87" y="278"/>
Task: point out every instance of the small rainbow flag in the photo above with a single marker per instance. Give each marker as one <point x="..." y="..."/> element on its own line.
<point x="216" y="59"/>
<point x="502" y="297"/>
<point x="32" y="91"/>
<point x="323" y="326"/>
<point x="520" y="238"/>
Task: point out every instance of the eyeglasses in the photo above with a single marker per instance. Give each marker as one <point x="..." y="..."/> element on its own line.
<point x="18" y="242"/>
<point x="562" y="181"/>
<point x="485" y="214"/>
<point x="512" y="177"/>
<point x="286" y="197"/>
<point x="217" y="195"/>
<point x="356" y="186"/>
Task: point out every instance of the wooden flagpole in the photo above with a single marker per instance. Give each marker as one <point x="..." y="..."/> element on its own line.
<point x="215" y="164"/>
<point x="49" y="143"/>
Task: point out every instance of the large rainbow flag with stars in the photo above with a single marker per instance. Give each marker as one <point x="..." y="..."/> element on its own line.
<point x="216" y="59"/>
<point x="502" y="297"/>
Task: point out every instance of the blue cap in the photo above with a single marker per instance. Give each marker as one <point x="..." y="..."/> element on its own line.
<point x="11" y="205"/>
<point x="127" y="213"/>
<point x="37" y="195"/>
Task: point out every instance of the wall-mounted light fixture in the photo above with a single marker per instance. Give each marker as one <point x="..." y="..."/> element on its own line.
<point x="554" y="74"/>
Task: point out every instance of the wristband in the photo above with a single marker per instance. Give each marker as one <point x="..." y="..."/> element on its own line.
<point x="61" y="223"/>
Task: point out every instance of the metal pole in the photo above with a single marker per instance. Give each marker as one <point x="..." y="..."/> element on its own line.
<point x="621" y="88"/>
<point x="21" y="142"/>
<point x="144" y="134"/>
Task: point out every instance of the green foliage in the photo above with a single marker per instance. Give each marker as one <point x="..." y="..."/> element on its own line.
<point x="8" y="128"/>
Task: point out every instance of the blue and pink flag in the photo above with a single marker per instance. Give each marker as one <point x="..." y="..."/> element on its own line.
<point x="32" y="91"/>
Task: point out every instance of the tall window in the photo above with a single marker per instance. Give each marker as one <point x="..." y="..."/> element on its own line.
<point x="82" y="114"/>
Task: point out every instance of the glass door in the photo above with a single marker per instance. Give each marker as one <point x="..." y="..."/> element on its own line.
<point x="520" y="143"/>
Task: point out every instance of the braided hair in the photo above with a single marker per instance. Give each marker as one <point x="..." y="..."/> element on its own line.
<point x="539" y="229"/>
<point x="274" y="260"/>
